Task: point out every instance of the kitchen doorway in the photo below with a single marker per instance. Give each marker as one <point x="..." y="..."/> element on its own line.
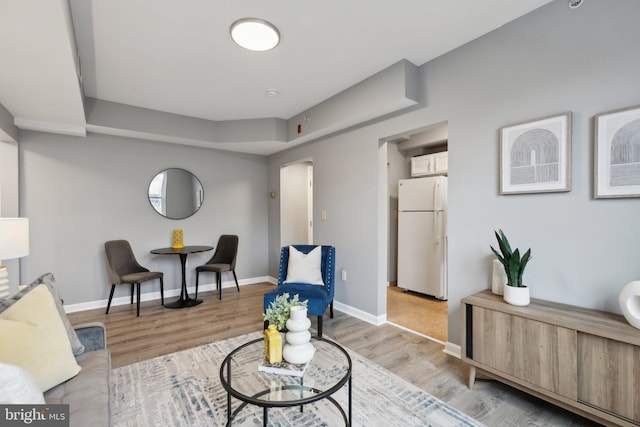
<point x="416" y="312"/>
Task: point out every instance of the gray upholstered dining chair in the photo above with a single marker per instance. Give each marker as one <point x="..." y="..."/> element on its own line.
<point x="223" y="259"/>
<point x="124" y="268"/>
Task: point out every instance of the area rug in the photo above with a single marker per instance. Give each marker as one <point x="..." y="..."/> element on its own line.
<point x="183" y="389"/>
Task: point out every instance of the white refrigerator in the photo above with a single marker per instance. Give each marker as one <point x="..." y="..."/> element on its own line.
<point x="422" y="235"/>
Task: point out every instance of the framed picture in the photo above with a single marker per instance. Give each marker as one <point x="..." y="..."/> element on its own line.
<point x="535" y="156"/>
<point x="617" y="154"/>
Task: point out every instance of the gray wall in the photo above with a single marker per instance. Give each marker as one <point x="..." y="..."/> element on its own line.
<point x="550" y="61"/>
<point x="80" y="192"/>
<point x="345" y="186"/>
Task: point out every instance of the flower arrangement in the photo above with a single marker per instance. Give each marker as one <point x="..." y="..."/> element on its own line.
<point x="278" y="311"/>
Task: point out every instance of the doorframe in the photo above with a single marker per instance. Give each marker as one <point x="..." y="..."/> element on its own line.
<point x="306" y="204"/>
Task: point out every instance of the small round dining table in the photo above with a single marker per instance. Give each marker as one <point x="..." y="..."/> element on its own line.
<point x="184" y="300"/>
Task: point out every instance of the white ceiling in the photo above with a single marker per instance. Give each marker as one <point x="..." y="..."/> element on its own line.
<point x="177" y="56"/>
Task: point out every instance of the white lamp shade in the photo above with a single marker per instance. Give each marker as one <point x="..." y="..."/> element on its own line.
<point x="14" y="238"/>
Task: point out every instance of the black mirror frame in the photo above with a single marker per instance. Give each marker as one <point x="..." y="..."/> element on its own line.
<point x="170" y="217"/>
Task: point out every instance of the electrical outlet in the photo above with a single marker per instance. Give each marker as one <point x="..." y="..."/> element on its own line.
<point x="323" y="215"/>
<point x="344" y="275"/>
<point x="154" y="266"/>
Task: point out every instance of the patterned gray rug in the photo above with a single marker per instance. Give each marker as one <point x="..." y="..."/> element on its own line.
<point x="183" y="389"/>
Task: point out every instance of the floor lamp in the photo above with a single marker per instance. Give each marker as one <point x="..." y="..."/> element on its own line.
<point x="14" y="243"/>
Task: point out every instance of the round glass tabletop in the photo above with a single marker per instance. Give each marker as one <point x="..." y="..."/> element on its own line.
<point x="327" y="372"/>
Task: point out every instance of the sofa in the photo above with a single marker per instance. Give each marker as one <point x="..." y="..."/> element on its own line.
<point x="88" y="394"/>
<point x="45" y="360"/>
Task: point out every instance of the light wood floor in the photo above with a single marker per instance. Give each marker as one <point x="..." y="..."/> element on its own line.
<point x="160" y="331"/>
<point x="420" y="313"/>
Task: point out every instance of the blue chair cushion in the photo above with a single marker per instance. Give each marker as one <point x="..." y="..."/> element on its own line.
<point x="318" y="296"/>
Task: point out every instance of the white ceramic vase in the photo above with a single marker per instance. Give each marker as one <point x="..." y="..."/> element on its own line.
<point x="630" y="303"/>
<point x="498" y="277"/>
<point x="298" y="348"/>
<point x="516" y="296"/>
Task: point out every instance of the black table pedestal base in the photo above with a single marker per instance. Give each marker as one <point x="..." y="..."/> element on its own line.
<point x="183" y="303"/>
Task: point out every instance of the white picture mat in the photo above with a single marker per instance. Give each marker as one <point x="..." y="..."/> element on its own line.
<point x="607" y="125"/>
<point x="560" y="127"/>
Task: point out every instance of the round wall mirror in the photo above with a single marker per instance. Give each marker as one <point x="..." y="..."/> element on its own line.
<point x="176" y="193"/>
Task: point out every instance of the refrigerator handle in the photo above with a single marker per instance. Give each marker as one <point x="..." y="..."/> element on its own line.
<point x="436" y="217"/>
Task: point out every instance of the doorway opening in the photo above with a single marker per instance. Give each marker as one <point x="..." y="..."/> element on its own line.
<point x="296" y="203"/>
<point x="415" y="311"/>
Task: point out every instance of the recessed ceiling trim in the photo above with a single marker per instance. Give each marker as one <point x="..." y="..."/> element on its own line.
<point x="60" y="128"/>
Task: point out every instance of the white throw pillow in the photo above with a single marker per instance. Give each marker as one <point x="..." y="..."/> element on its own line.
<point x="33" y="337"/>
<point x="304" y="268"/>
<point x="18" y="387"/>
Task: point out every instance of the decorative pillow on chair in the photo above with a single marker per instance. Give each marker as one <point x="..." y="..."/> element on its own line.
<point x="33" y="337"/>
<point x="304" y="268"/>
<point x="48" y="280"/>
<point x="18" y="387"/>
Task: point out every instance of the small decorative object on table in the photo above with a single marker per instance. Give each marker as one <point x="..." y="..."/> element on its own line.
<point x="298" y="348"/>
<point x="515" y="292"/>
<point x="178" y="242"/>
<point x="498" y="278"/>
<point x="630" y="303"/>
<point x="284" y="368"/>
<point x="272" y="345"/>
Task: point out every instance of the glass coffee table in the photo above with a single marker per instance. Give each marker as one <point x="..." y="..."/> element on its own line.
<point x="327" y="372"/>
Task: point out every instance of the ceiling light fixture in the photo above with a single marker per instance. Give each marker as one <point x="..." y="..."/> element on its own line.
<point x="255" y="34"/>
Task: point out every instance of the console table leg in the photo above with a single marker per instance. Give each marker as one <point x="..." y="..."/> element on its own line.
<point x="265" y="416"/>
<point x="472" y="376"/>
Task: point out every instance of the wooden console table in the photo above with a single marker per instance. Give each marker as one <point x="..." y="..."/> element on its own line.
<point x="584" y="360"/>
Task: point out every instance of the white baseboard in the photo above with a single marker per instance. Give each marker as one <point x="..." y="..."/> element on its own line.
<point x="168" y="293"/>
<point x="359" y="314"/>
<point x="453" y="350"/>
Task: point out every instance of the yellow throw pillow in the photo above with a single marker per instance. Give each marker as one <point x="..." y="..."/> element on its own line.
<point x="32" y="336"/>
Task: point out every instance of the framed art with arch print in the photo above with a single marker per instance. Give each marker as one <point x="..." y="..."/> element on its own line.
<point x="535" y="156"/>
<point x="616" y="169"/>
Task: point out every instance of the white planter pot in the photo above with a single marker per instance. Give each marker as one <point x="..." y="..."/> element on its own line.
<point x="516" y="296"/>
<point x="630" y="303"/>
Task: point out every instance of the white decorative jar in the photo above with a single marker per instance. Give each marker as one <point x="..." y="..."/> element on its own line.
<point x="516" y="296"/>
<point x="630" y="303"/>
<point x="298" y="348"/>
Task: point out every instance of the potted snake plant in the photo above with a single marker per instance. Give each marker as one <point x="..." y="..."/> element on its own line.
<point x="515" y="292"/>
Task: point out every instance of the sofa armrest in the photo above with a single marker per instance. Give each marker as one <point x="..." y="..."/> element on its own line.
<point x="92" y="335"/>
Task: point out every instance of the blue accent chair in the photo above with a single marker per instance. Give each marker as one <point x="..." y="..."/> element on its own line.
<point x="320" y="297"/>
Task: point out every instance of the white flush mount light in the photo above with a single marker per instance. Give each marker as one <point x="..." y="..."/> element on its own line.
<point x="255" y="34"/>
